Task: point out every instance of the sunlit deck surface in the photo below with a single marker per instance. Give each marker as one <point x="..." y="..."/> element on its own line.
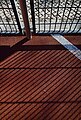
<point x="39" y="79"/>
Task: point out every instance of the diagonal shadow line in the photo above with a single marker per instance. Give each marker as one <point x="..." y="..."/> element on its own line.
<point x="58" y="61"/>
<point x="5" y="72"/>
<point x="75" y="102"/>
<point x="35" y="107"/>
<point x="7" y="60"/>
<point x="69" y="110"/>
<point x="31" y="80"/>
<point x="21" y="77"/>
<point x="9" y="107"/>
<point x="23" y="111"/>
<point x="63" y="58"/>
<point x="38" y="53"/>
<point x="70" y="89"/>
<point x="7" y="79"/>
<point x="25" y="76"/>
<point x="59" y="110"/>
<point x="28" y="55"/>
<point x="19" y="58"/>
<point x="66" y="60"/>
<point x="10" y="59"/>
<point x="30" y="85"/>
<point x="40" y="59"/>
<point x="62" y="55"/>
<point x="10" y="82"/>
<point x="41" y="110"/>
<point x="69" y="106"/>
<point x="75" y="117"/>
<point x="56" y="107"/>
<point x="39" y="56"/>
<point x="73" y="59"/>
<point x="43" y="89"/>
<point x="71" y="93"/>
<point x="44" y="82"/>
<point x="47" y="59"/>
<point x="9" y="72"/>
<point x="53" y="110"/>
<point x="73" y="112"/>
<point x="63" y="90"/>
<point x="46" y="107"/>
<point x="7" y="112"/>
<point x="20" y="47"/>
<point x="27" y="58"/>
<point x="74" y="91"/>
<point x="64" y="102"/>
<point x="53" y="58"/>
<point x="50" y="107"/>
<point x="56" y="81"/>
<point x="14" y="61"/>
<point x="50" y="68"/>
<point x="39" y="102"/>
<point x="78" y="63"/>
<point x="29" y="103"/>
<point x="66" y="84"/>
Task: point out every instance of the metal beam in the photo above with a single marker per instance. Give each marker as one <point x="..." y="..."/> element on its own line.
<point x="25" y="18"/>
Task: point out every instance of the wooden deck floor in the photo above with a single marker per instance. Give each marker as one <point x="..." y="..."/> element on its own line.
<point x="40" y="82"/>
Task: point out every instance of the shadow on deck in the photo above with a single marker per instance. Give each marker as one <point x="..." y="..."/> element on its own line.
<point x="40" y="82"/>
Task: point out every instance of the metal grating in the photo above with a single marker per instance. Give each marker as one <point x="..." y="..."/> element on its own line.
<point x="45" y="16"/>
<point x="57" y="16"/>
<point x="9" y="21"/>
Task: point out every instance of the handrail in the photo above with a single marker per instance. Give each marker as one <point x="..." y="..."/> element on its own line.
<point x="25" y="18"/>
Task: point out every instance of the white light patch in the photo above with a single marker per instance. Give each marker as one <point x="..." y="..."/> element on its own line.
<point x="68" y="45"/>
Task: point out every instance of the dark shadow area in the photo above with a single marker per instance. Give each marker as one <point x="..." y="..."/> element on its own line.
<point x="40" y="57"/>
<point x="6" y="51"/>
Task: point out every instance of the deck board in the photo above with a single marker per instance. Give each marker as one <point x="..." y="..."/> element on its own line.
<point x="40" y="85"/>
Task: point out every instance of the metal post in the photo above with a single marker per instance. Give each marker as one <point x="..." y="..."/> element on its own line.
<point x="25" y="18"/>
<point x="16" y="15"/>
<point x="33" y="15"/>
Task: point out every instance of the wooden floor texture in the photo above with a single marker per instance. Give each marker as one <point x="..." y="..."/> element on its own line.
<point x="40" y="84"/>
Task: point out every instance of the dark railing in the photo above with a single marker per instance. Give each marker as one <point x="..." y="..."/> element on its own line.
<point x="14" y="18"/>
<point x="44" y="16"/>
<point x="9" y="21"/>
<point x="56" y="16"/>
